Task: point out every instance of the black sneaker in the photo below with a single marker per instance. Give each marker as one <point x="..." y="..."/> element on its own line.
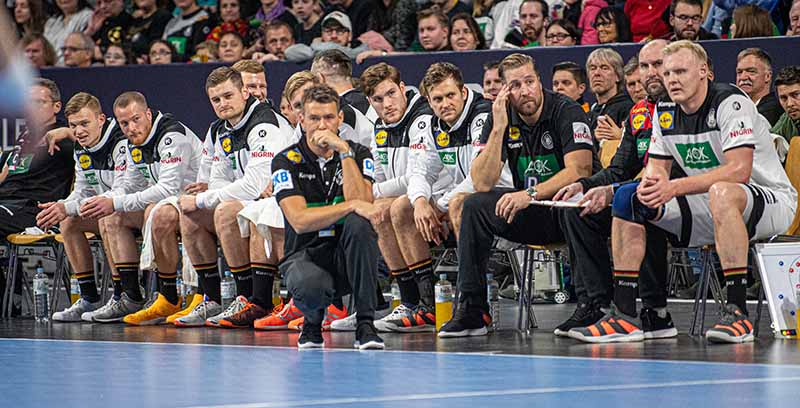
<point x="584" y="315"/>
<point x="367" y="338"/>
<point x="656" y="327"/>
<point x="733" y="327"/>
<point x="311" y="337"/>
<point x="469" y="320"/>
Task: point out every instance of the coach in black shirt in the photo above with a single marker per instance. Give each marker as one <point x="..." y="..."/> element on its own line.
<point x="324" y="187"/>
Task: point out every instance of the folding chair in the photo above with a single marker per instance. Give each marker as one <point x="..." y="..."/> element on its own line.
<point x="30" y="240"/>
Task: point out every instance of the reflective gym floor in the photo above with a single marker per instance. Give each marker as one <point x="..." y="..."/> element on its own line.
<point x="94" y="365"/>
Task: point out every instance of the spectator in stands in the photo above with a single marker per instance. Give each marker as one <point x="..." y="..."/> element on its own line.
<point x="569" y="79"/>
<point x="38" y="50"/>
<point x="604" y="66"/>
<point x="465" y="35"/>
<point x="359" y="11"/>
<point x="396" y="22"/>
<point x="482" y="13"/>
<point x="492" y="83"/>
<point x="612" y="26"/>
<point x="633" y="84"/>
<point x="751" y="21"/>
<point x="433" y="31"/>
<point x="30" y="175"/>
<point x="229" y="19"/>
<point x="336" y="70"/>
<point x="586" y="24"/>
<point x="754" y="77"/>
<point x="180" y="29"/>
<point x="449" y="7"/>
<point x="161" y="52"/>
<point x="646" y="19"/>
<point x="109" y="22"/>
<point x="794" y="19"/>
<point x="532" y="18"/>
<point x="272" y="10"/>
<point x="231" y="47"/>
<point x="309" y="13"/>
<point x="78" y="50"/>
<point x="70" y="16"/>
<point x="277" y="38"/>
<point x="561" y="32"/>
<point x="337" y="28"/>
<point x="29" y="16"/>
<point x="505" y="15"/>
<point x="204" y="52"/>
<point x="148" y="25"/>
<point x="686" y="18"/>
<point x="787" y="84"/>
<point x="336" y="35"/>
<point x="116" y="55"/>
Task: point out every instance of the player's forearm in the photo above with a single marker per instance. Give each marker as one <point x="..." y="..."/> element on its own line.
<point x="487" y="166"/>
<point x="312" y="219"/>
<point x="354" y="186"/>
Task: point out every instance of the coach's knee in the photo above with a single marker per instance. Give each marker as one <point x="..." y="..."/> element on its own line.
<point x="311" y="287"/>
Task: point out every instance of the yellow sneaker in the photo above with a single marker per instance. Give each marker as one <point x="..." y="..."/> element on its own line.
<point x="194" y="301"/>
<point x="156" y="313"/>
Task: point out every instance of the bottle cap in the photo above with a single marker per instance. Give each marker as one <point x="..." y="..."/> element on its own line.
<point x="442" y="276"/>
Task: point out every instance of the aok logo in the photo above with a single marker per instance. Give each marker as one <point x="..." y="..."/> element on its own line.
<point x="698" y="155"/>
<point x="448" y="158"/>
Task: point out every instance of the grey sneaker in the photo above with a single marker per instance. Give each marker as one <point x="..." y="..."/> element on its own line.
<point x="75" y="311"/>
<point x="197" y="317"/>
<point x="349" y="322"/>
<point x="116" y="312"/>
<point x="89" y="316"/>
<point x="236" y="306"/>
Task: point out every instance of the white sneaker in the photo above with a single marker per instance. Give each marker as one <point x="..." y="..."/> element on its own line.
<point x="236" y="306"/>
<point x="382" y="324"/>
<point x="349" y="322"/>
<point x="89" y="316"/>
<point x="197" y="317"/>
<point x="75" y="311"/>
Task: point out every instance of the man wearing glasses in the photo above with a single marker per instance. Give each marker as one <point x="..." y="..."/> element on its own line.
<point x="686" y="19"/>
<point x="77" y="50"/>
<point x="336" y="34"/>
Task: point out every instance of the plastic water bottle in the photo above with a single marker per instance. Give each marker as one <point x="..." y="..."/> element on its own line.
<point x="181" y="289"/>
<point x="492" y="296"/>
<point x="443" y="291"/>
<point x="228" y="289"/>
<point x="395" y="294"/>
<point x="276" y="292"/>
<point x="40" y="295"/>
<point x="74" y="290"/>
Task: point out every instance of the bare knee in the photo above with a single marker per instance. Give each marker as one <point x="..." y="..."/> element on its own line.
<point x="225" y="214"/>
<point x="401" y="212"/>
<point x="189" y="225"/>
<point x="165" y="220"/>
<point x="70" y="225"/>
<point x="725" y="198"/>
<point x="112" y="224"/>
<point x="455" y="206"/>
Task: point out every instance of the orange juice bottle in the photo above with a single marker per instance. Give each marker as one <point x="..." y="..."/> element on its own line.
<point x="444" y="301"/>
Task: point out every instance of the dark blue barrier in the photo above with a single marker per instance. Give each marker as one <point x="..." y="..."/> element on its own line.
<point x="180" y="88"/>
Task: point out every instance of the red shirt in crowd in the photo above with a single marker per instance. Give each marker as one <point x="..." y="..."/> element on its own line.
<point x="645" y="16"/>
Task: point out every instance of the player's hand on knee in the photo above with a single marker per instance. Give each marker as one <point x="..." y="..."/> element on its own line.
<point x="196" y="188"/>
<point x="568" y="191"/>
<point x="427" y="221"/>
<point x="267" y="191"/>
<point x="51" y="214"/>
<point x="97" y="207"/>
<point x="596" y="200"/>
<point x="655" y="190"/>
<point x="188" y="203"/>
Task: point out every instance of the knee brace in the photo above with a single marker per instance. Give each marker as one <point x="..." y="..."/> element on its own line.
<point x="628" y="207"/>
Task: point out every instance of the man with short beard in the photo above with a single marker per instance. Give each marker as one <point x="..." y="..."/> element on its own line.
<point x="686" y="19"/>
<point x="787" y="84"/>
<point x="532" y="19"/>
<point x="754" y="77"/>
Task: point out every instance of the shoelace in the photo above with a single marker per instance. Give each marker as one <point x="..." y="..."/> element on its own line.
<point x="110" y="304"/>
<point x="398" y="311"/>
<point x="234" y="308"/>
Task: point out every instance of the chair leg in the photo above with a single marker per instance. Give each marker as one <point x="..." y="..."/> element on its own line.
<point x="58" y="276"/>
<point x="761" y="293"/>
<point x="8" y="293"/>
<point x="519" y="275"/>
<point x="700" y="293"/>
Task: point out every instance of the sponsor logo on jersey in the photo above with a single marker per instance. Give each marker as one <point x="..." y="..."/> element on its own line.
<point x="443" y="139"/>
<point x="381" y="137"/>
<point x="91" y="178"/>
<point x="666" y="120"/>
<point x="581" y="133"/>
<point x="307" y="176"/>
<point x="226" y="143"/>
<point x="294" y="156"/>
<point x="417" y="146"/>
<point x="513" y="133"/>
<point x="121" y="167"/>
<point x="448" y="158"/>
<point x="281" y="180"/>
<point x="383" y="157"/>
<point x="368" y="168"/>
<point x="136" y="155"/>
<point x="171" y="160"/>
<point x="742" y="131"/>
<point x="167" y="141"/>
<point x="697" y="155"/>
<point x="261" y="154"/>
<point x="642" y="145"/>
<point x="638" y="121"/>
<point x="537" y="169"/>
<point x="85" y="161"/>
<point x="638" y="109"/>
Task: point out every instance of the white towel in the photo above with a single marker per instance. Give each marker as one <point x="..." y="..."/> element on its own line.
<point x="147" y="260"/>
<point x="265" y="214"/>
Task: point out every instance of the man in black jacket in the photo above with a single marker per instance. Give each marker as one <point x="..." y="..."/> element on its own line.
<point x="606" y="81"/>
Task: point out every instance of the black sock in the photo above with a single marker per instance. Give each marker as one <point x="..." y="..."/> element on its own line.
<point x="243" y="276"/>
<point x="167" y="286"/>
<point x="263" y="278"/>
<point x="626" y="287"/>
<point x="409" y="291"/>
<point x="736" y="282"/>
<point x="117" y="286"/>
<point x="208" y="281"/>
<point x="129" y="276"/>
<point x="88" y="286"/>
<point x="423" y="275"/>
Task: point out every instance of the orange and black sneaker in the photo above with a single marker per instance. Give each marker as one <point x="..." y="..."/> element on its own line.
<point x="280" y="317"/>
<point x="614" y="327"/>
<point x="331" y="313"/>
<point x="733" y="327"/>
<point x="245" y="317"/>
<point x="415" y="319"/>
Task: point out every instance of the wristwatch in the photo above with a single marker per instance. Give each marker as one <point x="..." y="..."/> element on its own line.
<point x="531" y="192"/>
<point x="348" y="153"/>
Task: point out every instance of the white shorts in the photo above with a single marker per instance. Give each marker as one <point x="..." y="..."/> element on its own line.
<point x="688" y="218"/>
<point x="265" y="214"/>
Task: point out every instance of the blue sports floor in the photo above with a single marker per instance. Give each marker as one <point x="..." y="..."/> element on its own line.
<point x="78" y="373"/>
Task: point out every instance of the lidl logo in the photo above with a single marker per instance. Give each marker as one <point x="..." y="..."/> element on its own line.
<point x="381" y="137"/>
<point x="513" y="133"/>
<point x="697" y="155"/>
<point x="666" y="120"/>
<point x="294" y="156"/>
<point x="227" y="146"/>
<point x="638" y="121"/>
<point x="85" y="161"/>
<point x="443" y="139"/>
<point x="136" y="155"/>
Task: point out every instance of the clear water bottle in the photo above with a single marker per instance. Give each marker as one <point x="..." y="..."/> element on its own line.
<point x="181" y="290"/>
<point x="276" y="292"/>
<point x="492" y="296"/>
<point x="443" y="291"/>
<point x="228" y="289"/>
<point x="74" y="290"/>
<point x="395" y="294"/>
<point x="40" y="295"/>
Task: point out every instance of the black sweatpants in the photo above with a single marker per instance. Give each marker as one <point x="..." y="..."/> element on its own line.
<point x="534" y="225"/>
<point x="587" y="238"/>
<point x="16" y="215"/>
<point x="345" y="264"/>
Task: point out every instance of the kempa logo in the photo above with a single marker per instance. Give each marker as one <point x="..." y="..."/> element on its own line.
<point x="698" y="155"/>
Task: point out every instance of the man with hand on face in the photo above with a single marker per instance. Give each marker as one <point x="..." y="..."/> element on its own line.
<point x="543" y="138"/>
<point x="735" y="191"/>
<point x="324" y="187"/>
<point x="167" y="156"/>
<point x="246" y="138"/>
<point x="101" y="158"/>
<point x="587" y="230"/>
